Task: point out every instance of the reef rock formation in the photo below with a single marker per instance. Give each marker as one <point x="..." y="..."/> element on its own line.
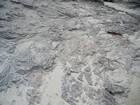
<point x="68" y="53"/>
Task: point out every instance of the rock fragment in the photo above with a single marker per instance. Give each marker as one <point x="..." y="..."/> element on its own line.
<point x="91" y="93"/>
<point x="68" y="72"/>
<point x="16" y="78"/>
<point x="1" y="4"/>
<point x="87" y="69"/>
<point x="71" y="89"/>
<point x="25" y="3"/>
<point x="80" y="77"/>
<point x="108" y="99"/>
<point x="74" y="70"/>
<point x="88" y="78"/>
<point x="115" y="89"/>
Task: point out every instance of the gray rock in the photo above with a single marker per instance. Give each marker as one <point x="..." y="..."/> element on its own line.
<point x="137" y="57"/>
<point x="74" y="70"/>
<point x="115" y="89"/>
<point x="5" y="77"/>
<point x="49" y="64"/>
<point x="69" y="14"/>
<point x="15" y="1"/>
<point x="25" y="64"/>
<point x="16" y="78"/>
<point x="76" y="89"/>
<point x="30" y="92"/>
<point x="31" y="97"/>
<point x="26" y="3"/>
<point x="1" y="5"/>
<point x="68" y="72"/>
<point x="35" y="35"/>
<point x="7" y="35"/>
<point x="108" y="99"/>
<point x="88" y="78"/>
<point x="80" y="77"/>
<point x="5" y="65"/>
<point x="88" y="69"/>
<point x="38" y="97"/>
<point x="71" y="89"/>
<point x="91" y="93"/>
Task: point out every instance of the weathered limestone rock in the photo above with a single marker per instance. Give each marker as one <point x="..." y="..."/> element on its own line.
<point x="88" y="77"/>
<point x="108" y="99"/>
<point x="71" y="91"/>
<point x="26" y="3"/>
<point x="67" y="53"/>
<point x="33" y="96"/>
<point x="115" y="89"/>
<point x="80" y="77"/>
<point x="1" y="4"/>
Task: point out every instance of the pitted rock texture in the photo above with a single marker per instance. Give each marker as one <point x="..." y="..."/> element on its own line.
<point x="60" y="53"/>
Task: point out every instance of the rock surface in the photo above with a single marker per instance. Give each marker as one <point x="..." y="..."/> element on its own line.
<point x="68" y="53"/>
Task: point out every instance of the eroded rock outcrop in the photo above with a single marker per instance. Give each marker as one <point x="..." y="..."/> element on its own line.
<point x="60" y="53"/>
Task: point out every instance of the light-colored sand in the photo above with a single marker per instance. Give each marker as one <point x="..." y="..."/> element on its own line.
<point x="52" y="87"/>
<point x="134" y="94"/>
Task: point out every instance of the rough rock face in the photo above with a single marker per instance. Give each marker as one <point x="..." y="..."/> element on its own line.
<point x="68" y="53"/>
<point x="131" y="1"/>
